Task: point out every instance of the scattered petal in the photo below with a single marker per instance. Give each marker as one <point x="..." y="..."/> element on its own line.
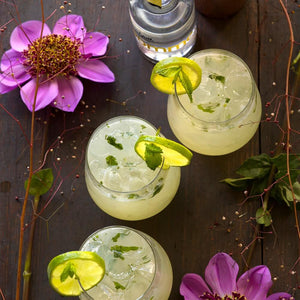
<point x="47" y="92"/>
<point x="94" y="43"/>
<point x="71" y="26"/>
<point x="193" y="286"/>
<point x="26" y="33"/>
<point x="280" y="296"/>
<point x="95" y="70"/>
<point x="221" y="274"/>
<point x="69" y="93"/>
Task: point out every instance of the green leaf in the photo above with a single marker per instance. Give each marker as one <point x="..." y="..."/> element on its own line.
<point x="41" y="182"/>
<point x="111" y="161"/>
<point x="280" y="161"/>
<point x="118" y="285"/>
<point x="210" y="108"/>
<point x="259" y="185"/>
<point x="263" y="217"/>
<point x="217" y="77"/>
<point x="112" y="141"/>
<point x="153" y="156"/>
<point x="69" y="271"/>
<point x="169" y="72"/>
<point x="239" y="184"/>
<point x="255" y="166"/>
<point x="187" y="85"/>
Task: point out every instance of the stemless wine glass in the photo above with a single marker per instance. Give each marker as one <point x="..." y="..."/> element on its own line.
<point x="118" y="180"/>
<point x="226" y="108"/>
<point x="137" y="267"/>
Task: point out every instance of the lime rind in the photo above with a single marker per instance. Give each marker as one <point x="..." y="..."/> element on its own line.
<point x="174" y="153"/>
<point x="89" y="268"/>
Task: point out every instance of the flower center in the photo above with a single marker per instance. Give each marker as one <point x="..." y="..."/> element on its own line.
<point x="234" y="296"/>
<point x="52" y="55"/>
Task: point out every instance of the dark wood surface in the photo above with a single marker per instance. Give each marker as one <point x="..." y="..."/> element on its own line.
<point x="202" y="219"/>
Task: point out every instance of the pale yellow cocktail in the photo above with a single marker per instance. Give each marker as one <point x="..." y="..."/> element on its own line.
<point x="226" y="108"/>
<point x="118" y="180"/>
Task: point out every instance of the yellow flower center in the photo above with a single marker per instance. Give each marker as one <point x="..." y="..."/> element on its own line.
<point x="52" y="55"/>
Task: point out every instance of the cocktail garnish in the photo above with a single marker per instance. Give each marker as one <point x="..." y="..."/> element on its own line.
<point x="112" y="141"/>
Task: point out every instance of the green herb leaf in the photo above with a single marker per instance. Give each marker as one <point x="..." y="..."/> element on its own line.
<point x="118" y="285"/>
<point x="118" y="250"/>
<point x="187" y="85"/>
<point x="210" y="108"/>
<point x="116" y="237"/>
<point x="112" y="141"/>
<point x="239" y="184"/>
<point x="41" y="182"/>
<point x="217" y="77"/>
<point x="153" y="156"/>
<point x="169" y="72"/>
<point x="255" y="166"/>
<point x="133" y="196"/>
<point x="263" y="217"/>
<point x="111" y="160"/>
<point x="69" y="271"/>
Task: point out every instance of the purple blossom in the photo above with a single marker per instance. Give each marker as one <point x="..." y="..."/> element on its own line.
<point x="54" y="60"/>
<point x="221" y="274"/>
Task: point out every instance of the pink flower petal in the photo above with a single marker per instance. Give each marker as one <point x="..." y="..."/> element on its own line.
<point x="26" y="33"/>
<point x="255" y="283"/>
<point x="280" y="296"/>
<point x="221" y="274"/>
<point x="71" y="26"/>
<point x="14" y="75"/>
<point x="193" y="286"/>
<point x="10" y="58"/>
<point x="94" y="43"/>
<point x="95" y="70"/>
<point x="5" y="89"/>
<point x="47" y="92"/>
<point x="69" y="93"/>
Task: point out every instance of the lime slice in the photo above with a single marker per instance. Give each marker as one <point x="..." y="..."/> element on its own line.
<point x="67" y="269"/>
<point x="184" y="71"/>
<point x="174" y="154"/>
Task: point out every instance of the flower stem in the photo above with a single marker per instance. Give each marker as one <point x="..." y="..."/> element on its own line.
<point x="27" y="267"/>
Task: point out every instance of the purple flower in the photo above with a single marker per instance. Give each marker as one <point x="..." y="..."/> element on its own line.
<point x="53" y="60"/>
<point x="221" y="274"/>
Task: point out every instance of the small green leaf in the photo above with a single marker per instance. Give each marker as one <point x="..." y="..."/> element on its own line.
<point x="153" y="156"/>
<point x="169" y="72"/>
<point x="41" y="182"/>
<point x="263" y="217"/>
<point x="259" y="185"/>
<point x="118" y="285"/>
<point x="118" y="250"/>
<point x="255" y="166"/>
<point x="111" y="161"/>
<point x="187" y="85"/>
<point x="69" y="271"/>
<point x="210" y="108"/>
<point x="217" y="77"/>
<point x="112" y="141"/>
<point x="239" y="184"/>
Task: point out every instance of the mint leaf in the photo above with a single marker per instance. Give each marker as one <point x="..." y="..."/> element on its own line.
<point x="112" y="141"/>
<point x="41" y="182"/>
<point x="255" y="166"/>
<point x="187" y="85"/>
<point x="118" y="250"/>
<point x="69" y="271"/>
<point x="111" y="161"/>
<point x="263" y="217"/>
<point x="217" y="77"/>
<point x="239" y="184"/>
<point x="118" y="285"/>
<point x="210" y="108"/>
<point x="169" y="72"/>
<point x="153" y="156"/>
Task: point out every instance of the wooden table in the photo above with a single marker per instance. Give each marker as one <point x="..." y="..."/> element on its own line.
<point x="205" y="216"/>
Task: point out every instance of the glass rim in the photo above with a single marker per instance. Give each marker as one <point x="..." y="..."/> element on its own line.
<point x="144" y="236"/>
<point x="251" y="98"/>
<point x="101" y="186"/>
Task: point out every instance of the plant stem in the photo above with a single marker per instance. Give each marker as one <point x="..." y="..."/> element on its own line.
<point x="27" y="267"/>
